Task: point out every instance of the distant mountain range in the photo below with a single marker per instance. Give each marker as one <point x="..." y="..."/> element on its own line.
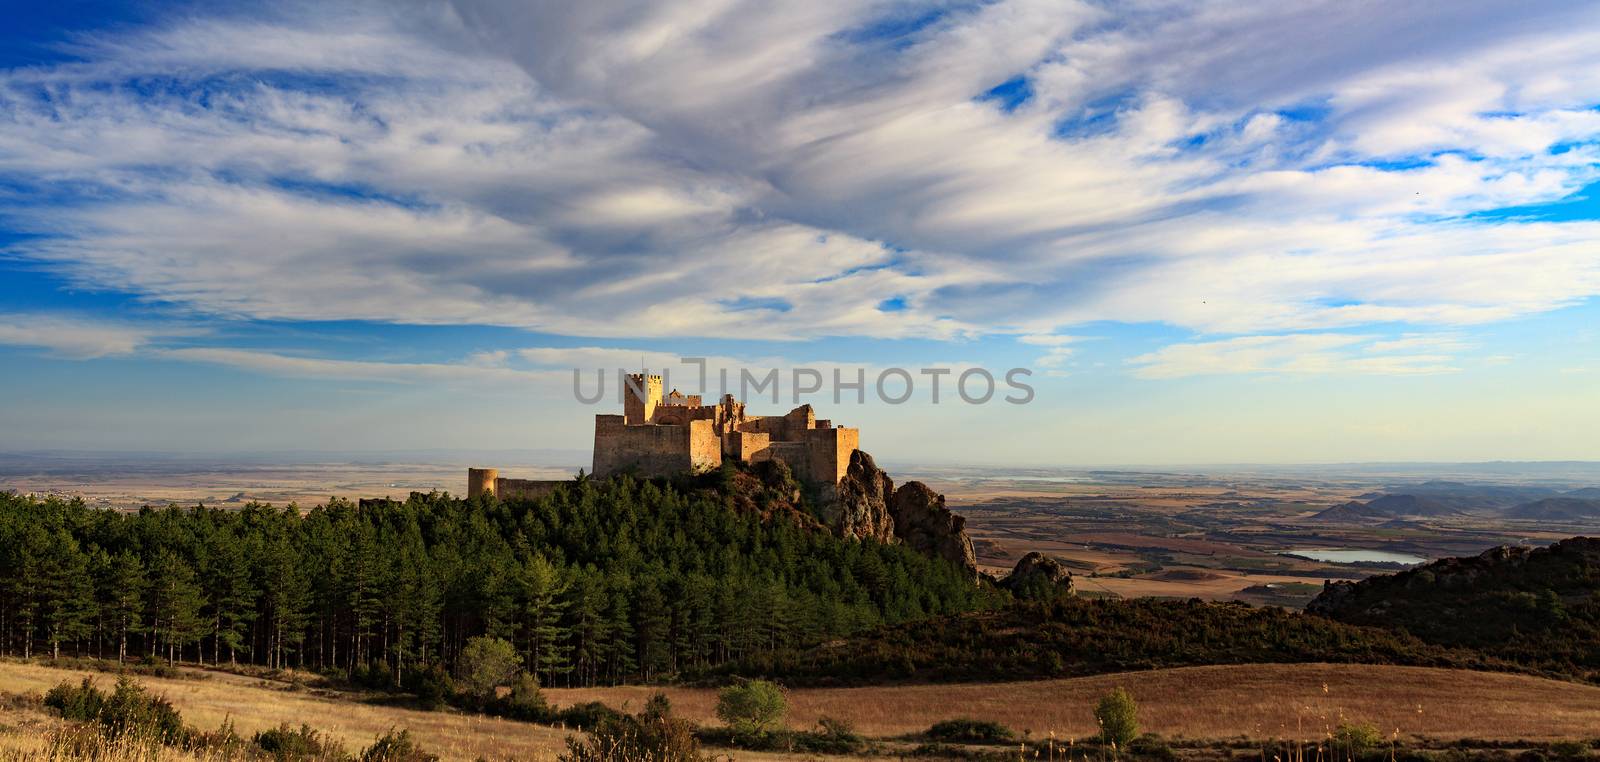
<point x="1444" y="498"/>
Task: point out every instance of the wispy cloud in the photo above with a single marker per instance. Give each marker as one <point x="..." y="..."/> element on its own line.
<point x="1304" y="353"/>
<point x="81" y="338"/>
<point x="608" y="170"/>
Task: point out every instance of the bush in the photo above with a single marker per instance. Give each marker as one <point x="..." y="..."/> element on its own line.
<point x="432" y="686"/>
<point x="658" y="705"/>
<point x="131" y="711"/>
<point x="486" y="664"/>
<point x="396" y="747"/>
<point x="832" y="736"/>
<point x="1118" y="716"/>
<point x="527" y="701"/>
<point x="652" y="735"/>
<point x="588" y="715"/>
<point x="753" y="707"/>
<point x="969" y="731"/>
<point x="82" y="702"/>
<point x="1570" y="750"/>
<point x="284" y="743"/>
<point x="1356" y="738"/>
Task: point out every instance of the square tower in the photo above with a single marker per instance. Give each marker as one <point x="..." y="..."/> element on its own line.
<point x="640" y="396"/>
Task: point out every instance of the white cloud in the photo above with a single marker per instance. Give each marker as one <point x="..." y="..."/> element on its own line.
<point x="774" y="171"/>
<point x="1303" y="353"/>
<point x="78" y="338"/>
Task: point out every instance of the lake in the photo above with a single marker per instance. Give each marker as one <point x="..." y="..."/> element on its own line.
<point x="1357" y="556"/>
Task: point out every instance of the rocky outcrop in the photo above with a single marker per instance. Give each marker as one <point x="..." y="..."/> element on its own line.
<point x="922" y="521"/>
<point x="859" y="505"/>
<point x="865" y="505"/>
<point x="1038" y="575"/>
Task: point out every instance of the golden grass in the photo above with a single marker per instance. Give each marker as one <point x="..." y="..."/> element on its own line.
<point x="254" y="706"/>
<point x="1258" y="701"/>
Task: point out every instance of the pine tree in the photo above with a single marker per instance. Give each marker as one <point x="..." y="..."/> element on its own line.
<point x="122" y="598"/>
<point x="65" y="591"/>
<point x="175" y="603"/>
<point x="543" y="592"/>
<point x="231" y="596"/>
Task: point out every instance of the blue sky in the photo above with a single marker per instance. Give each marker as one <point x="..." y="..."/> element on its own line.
<point x="1214" y="231"/>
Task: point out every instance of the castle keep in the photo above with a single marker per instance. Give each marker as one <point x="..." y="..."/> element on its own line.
<point x="662" y="436"/>
<point x="659" y="436"/>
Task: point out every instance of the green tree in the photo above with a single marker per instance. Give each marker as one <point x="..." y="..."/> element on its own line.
<point x="175" y="603"/>
<point x="486" y="664"/>
<point x="65" y="591"/>
<point x="543" y="600"/>
<point x="756" y="706"/>
<point x="1118" y="716"/>
<point x="230" y="595"/>
<point x="122" y="598"/>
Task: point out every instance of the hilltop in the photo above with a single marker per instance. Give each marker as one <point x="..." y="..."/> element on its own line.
<point x="1536" y="606"/>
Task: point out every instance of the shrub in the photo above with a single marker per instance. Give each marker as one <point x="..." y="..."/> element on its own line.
<point x="432" y="686"/>
<point x="969" y="731"/>
<point x="652" y="735"/>
<point x="1570" y="750"/>
<point x="129" y="712"/>
<point x="1118" y="716"/>
<point x="527" y="701"/>
<point x="1356" y="738"/>
<point x="756" y="706"/>
<point x="658" y="705"/>
<point x="222" y="743"/>
<point x="82" y="702"/>
<point x="586" y="715"/>
<point x="486" y="664"/>
<point x="132" y="711"/>
<point x="832" y="736"/>
<point x="396" y="747"/>
<point x="284" y="743"/>
<point x="1151" y="747"/>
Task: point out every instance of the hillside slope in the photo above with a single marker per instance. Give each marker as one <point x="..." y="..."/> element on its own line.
<point x="1539" y="607"/>
<point x="1073" y="636"/>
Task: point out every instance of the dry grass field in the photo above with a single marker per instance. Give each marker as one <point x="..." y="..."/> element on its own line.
<point x="1259" y="701"/>
<point x="254" y="705"/>
<point x="1256" y="701"/>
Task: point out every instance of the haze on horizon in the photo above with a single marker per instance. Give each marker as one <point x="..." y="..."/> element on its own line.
<point x="1217" y="232"/>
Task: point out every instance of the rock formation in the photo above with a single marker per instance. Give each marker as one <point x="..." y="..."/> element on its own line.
<point x="1037" y="572"/>
<point x="866" y="505"/>
<point x="922" y="521"/>
<point x="859" y="506"/>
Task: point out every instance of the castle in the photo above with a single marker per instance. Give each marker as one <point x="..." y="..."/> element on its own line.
<point x="661" y="436"/>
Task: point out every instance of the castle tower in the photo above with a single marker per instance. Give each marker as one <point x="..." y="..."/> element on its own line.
<point x="480" y="481"/>
<point x="637" y="410"/>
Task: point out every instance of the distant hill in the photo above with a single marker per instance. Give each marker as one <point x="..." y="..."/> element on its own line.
<point x="1351" y="512"/>
<point x="1557" y="509"/>
<point x="1462" y="497"/>
<point x="1075" y="636"/>
<point x="1413" y="505"/>
<point x="1447" y="498"/>
<point x="1539" y="607"/>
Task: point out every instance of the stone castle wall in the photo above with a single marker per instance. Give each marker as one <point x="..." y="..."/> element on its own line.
<point x="654" y="450"/>
<point x="506" y="489"/>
